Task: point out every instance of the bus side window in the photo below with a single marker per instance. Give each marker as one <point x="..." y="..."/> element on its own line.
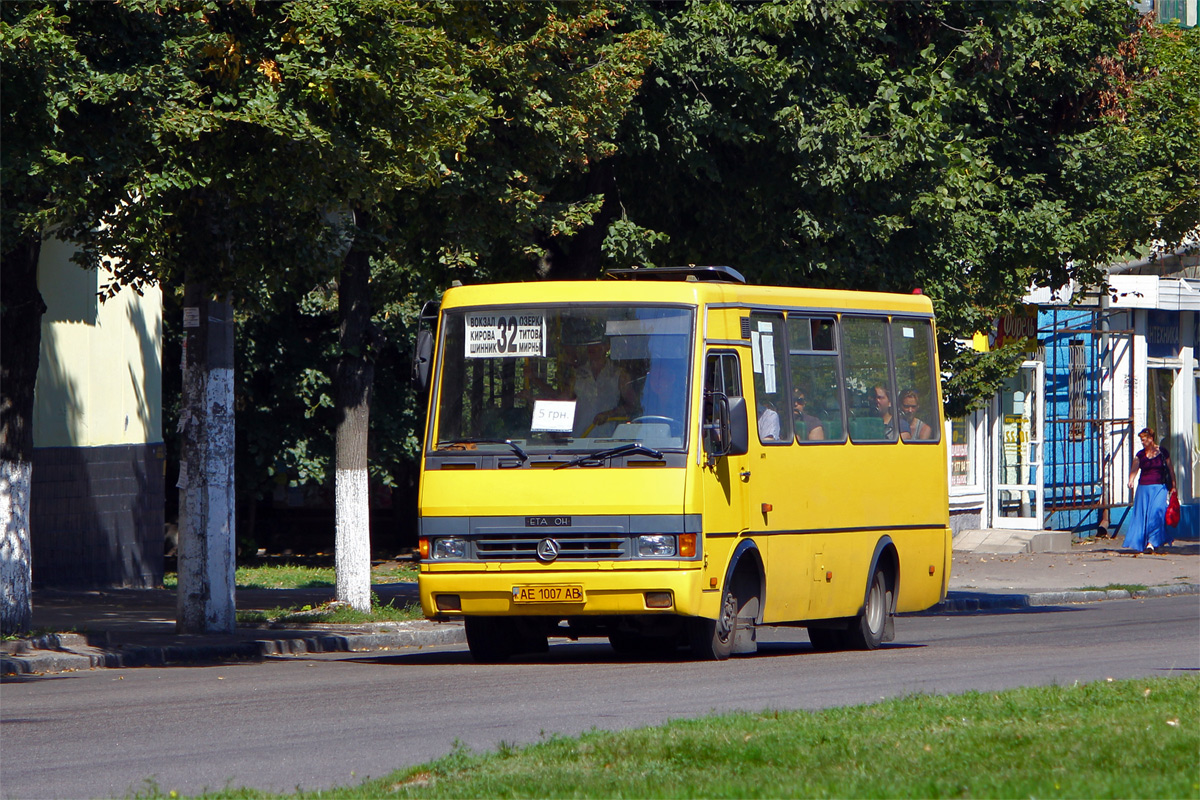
<point x="723" y="377"/>
<point x="912" y="350"/>
<point x="768" y="340"/>
<point x="870" y="395"/>
<point x="816" y="395"/>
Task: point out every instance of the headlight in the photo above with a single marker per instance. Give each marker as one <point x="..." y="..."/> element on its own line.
<point x="657" y="545"/>
<point x="449" y="548"/>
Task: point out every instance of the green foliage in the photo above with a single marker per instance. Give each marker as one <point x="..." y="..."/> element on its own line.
<point x="972" y="150"/>
<point x="561" y="77"/>
<point x="555" y="81"/>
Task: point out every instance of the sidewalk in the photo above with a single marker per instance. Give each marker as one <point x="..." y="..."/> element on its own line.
<point x="136" y="627"/>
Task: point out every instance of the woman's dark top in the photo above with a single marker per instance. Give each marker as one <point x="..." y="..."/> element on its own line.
<point x="1154" y="470"/>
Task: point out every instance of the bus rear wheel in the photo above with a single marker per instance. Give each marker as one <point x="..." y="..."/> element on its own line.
<point x="867" y="629"/>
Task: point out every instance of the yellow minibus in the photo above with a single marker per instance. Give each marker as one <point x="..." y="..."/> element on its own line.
<point x="670" y="457"/>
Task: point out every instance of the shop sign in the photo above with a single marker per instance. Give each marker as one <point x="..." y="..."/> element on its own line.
<point x="1020" y="326"/>
<point x="1162" y="334"/>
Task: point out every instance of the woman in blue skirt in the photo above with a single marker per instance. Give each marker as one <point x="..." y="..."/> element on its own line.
<point x="1147" y="529"/>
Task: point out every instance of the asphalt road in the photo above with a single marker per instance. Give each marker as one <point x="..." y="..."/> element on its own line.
<point x="316" y="722"/>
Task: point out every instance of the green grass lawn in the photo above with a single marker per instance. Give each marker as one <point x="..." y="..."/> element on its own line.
<point x="1111" y="739"/>
<point x="330" y="614"/>
<point x="296" y="576"/>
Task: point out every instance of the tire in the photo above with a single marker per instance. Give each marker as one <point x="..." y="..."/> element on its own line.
<point x="712" y="639"/>
<point x="827" y="639"/>
<point x="490" y="639"/>
<point x="627" y="643"/>
<point x="867" y="629"/>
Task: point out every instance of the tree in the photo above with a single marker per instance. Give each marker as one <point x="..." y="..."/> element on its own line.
<point x="63" y="81"/>
<point x="250" y="134"/>
<point x="513" y="204"/>
<point x="556" y="79"/>
<point x="966" y="149"/>
<point x="278" y="130"/>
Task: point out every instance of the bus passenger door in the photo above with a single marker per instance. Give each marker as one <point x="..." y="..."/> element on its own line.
<point x="724" y="490"/>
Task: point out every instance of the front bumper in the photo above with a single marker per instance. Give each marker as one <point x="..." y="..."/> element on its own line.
<point x="607" y="592"/>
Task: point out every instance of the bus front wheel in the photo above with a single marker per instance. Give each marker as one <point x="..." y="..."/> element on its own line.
<point x="867" y="629"/>
<point x="712" y="639"/>
<point x="490" y="639"/>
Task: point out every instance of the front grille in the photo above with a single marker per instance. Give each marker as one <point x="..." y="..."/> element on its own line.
<point x="572" y="547"/>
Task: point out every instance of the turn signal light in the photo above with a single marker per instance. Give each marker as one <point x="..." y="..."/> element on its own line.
<point x="423" y="548"/>
<point x="687" y="545"/>
<point x="931" y="569"/>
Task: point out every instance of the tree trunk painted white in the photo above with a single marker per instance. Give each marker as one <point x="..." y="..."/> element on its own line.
<point x="352" y="511"/>
<point x="207" y="557"/>
<point x="354" y="381"/>
<point x="20" y="349"/>
<point x="16" y="575"/>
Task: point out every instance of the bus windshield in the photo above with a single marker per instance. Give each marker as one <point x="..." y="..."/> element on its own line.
<point x="564" y="379"/>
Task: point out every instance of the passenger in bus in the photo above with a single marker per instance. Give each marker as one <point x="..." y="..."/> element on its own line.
<point x="883" y="408"/>
<point x="596" y="388"/>
<point x="807" y="426"/>
<point x="663" y="391"/>
<point x="768" y="424"/>
<point x="912" y="428"/>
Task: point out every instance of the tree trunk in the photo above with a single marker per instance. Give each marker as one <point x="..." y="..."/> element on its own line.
<point x="353" y="385"/>
<point x="207" y="511"/>
<point x="20" y="350"/>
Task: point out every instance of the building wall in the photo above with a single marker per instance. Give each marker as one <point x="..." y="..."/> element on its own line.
<point x="96" y="515"/>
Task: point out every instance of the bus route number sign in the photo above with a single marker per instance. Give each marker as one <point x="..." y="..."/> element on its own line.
<point x="505" y="335"/>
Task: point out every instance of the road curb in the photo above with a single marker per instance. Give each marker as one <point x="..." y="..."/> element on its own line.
<point x="70" y="652"/>
<point x="965" y="602"/>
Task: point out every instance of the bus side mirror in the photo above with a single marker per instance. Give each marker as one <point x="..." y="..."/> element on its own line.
<point x="423" y="354"/>
<point x="422" y="358"/>
<point x="739" y="427"/>
<point x="726" y="426"/>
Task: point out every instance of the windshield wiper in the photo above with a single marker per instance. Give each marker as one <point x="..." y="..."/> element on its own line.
<point x="620" y="450"/>
<point x="515" y="447"/>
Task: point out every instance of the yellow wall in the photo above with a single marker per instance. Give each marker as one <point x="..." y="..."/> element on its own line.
<point x="100" y="377"/>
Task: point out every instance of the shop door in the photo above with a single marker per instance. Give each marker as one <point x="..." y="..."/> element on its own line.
<point x="1018" y="488"/>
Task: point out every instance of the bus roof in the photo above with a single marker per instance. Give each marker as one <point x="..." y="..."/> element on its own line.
<point x="697" y="293"/>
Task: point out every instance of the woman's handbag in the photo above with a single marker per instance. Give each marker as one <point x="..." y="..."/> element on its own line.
<point x="1172" y="517"/>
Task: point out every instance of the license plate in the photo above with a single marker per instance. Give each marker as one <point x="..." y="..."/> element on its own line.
<point x="553" y="593"/>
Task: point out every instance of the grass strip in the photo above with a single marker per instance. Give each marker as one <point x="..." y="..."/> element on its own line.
<point x="299" y="576"/>
<point x="331" y="614"/>
<point x="1109" y="739"/>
